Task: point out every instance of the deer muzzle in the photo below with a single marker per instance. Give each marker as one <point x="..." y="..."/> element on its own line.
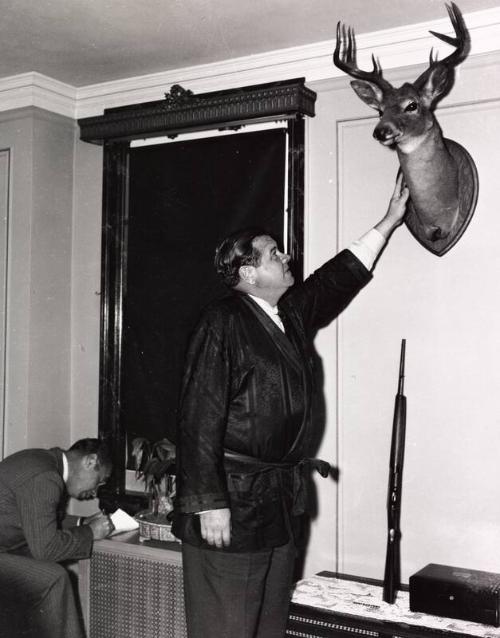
<point x="386" y="134"/>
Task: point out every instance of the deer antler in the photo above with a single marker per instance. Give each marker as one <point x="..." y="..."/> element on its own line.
<point x="344" y="57"/>
<point x="461" y="42"/>
<point x="462" y="47"/>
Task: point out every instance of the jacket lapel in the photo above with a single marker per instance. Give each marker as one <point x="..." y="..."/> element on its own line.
<point x="280" y="339"/>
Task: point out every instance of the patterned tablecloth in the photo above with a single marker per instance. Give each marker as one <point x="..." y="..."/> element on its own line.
<point x="361" y="599"/>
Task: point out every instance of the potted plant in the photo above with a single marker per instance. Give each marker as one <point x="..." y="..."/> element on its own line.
<point x="154" y="463"/>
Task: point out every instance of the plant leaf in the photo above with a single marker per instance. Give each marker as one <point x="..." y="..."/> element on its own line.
<point x="164" y="449"/>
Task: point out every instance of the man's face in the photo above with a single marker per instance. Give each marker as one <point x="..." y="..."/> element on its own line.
<point x="272" y="273"/>
<point x="86" y="477"/>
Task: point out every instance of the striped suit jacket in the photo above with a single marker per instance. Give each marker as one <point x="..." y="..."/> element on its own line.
<point x="32" y="502"/>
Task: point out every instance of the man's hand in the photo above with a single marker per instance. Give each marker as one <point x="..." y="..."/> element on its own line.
<point x="397" y="208"/>
<point x="100" y="524"/>
<point x="216" y="526"/>
<point x="88" y="519"/>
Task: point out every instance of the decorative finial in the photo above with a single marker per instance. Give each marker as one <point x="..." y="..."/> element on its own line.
<point x="177" y="96"/>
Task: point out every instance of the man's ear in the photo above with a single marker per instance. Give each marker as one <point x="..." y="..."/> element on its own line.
<point x="247" y="274"/>
<point x="90" y="461"/>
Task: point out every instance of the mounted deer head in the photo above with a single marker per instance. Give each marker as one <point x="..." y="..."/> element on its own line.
<point x="434" y="167"/>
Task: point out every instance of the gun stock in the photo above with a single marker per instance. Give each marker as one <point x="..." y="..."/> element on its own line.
<point x="392" y="574"/>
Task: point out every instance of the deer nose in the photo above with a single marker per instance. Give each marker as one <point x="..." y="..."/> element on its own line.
<point x="383" y="133"/>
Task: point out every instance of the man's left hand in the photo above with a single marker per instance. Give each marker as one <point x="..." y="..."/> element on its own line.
<point x="397" y="208"/>
<point x="215" y="526"/>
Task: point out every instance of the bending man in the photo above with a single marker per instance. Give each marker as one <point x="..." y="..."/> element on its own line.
<point x="36" y="596"/>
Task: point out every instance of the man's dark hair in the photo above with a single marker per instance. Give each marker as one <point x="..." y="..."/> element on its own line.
<point x="93" y="446"/>
<point x="235" y="251"/>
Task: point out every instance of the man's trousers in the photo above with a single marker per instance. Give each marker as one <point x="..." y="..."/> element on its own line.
<point x="236" y="594"/>
<point x="36" y="600"/>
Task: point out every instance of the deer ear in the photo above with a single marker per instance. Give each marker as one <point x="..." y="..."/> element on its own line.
<point x="435" y="84"/>
<point x="370" y="93"/>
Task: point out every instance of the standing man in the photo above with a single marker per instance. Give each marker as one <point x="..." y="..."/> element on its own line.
<point x="36" y="596"/>
<point x="244" y="425"/>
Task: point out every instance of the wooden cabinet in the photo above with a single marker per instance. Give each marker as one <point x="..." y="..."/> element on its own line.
<point x="130" y="589"/>
<point x="324" y="606"/>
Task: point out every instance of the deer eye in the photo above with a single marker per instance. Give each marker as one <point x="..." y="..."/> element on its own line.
<point x="412" y="106"/>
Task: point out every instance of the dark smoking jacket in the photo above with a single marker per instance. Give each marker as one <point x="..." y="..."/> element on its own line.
<point x="244" y="416"/>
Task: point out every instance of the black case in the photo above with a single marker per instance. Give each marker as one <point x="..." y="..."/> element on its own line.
<point x="467" y="594"/>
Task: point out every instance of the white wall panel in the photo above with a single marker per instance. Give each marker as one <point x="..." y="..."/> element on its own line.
<point x="447" y="309"/>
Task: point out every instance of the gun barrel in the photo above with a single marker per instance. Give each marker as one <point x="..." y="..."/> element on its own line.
<point x="398" y="434"/>
<point x="402" y="367"/>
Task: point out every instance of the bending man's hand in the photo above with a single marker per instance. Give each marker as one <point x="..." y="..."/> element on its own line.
<point x="397" y="208"/>
<point x="215" y="526"/>
<point x="101" y="525"/>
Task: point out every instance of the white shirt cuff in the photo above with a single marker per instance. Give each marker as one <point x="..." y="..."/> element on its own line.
<point x="368" y="247"/>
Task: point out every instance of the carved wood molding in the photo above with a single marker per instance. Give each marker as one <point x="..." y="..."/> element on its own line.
<point x="182" y="111"/>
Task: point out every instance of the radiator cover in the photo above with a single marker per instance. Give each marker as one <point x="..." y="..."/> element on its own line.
<point x="134" y="594"/>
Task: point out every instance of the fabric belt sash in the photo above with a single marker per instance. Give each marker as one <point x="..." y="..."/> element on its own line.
<point x="295" y="470"/>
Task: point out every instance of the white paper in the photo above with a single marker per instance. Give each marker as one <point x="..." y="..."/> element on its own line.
<point x="122" y="522"/>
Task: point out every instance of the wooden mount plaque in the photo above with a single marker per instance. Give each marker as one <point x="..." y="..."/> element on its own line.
<point x="468" y="187"/>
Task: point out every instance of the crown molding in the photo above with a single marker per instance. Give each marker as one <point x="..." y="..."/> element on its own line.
<point x="397" y="48"/>
<point x="35" y="89"/>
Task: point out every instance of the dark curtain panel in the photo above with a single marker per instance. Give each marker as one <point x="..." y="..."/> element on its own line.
<point x="184" y="198"/>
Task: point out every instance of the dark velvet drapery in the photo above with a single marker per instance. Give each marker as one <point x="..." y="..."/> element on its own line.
<point x="184" y="197"/>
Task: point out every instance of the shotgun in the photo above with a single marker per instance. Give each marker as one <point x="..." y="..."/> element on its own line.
<point x="392" y="575"/>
